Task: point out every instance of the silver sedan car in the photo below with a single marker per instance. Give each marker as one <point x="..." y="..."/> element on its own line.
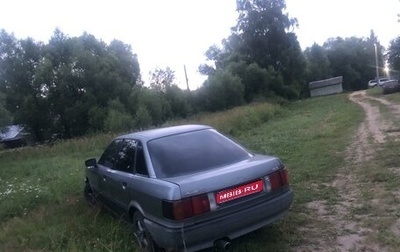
<point x="186" y="188"/>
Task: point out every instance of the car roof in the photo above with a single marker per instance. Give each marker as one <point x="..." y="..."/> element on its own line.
<point x="163" y="132"/>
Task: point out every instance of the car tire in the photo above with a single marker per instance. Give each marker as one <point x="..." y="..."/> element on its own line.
<point x="88" y="193"/>
<point x="142" y="236"/>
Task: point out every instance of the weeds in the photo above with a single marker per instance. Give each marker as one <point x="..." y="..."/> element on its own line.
<point x="237" y="120"/>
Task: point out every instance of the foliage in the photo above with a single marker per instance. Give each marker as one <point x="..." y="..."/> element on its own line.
<point x="154" y="104"/>
<point x="73" y="86"/>
<point x="262" y="43"/>
<point x="239" y="119"/>
<point x="222" y="90"/>
<point x="143" y="118"/>
<point x="353" y="58"/>
<point x="161" y="79"/>
<point x="180" y="101"/>
<point x="319" y="67"/>
<point x="61" y="88"/>
<point x="394" y="54"/>
<point x="18" y="62"/>
<point x="117" y="120"/>
<point x="5" y="116"/>
<point x="172" y="101"/>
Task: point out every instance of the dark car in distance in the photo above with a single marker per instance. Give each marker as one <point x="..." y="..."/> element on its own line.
<point x="186" y="188"/>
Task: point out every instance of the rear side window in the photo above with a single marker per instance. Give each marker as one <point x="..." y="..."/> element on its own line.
<point x="126" y="156"/>
<point x="140" y="165"/>
<point x="193" y="152"/>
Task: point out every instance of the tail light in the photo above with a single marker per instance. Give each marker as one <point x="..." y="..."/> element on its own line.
<point x="186" y="208"/>
<point x="284" y="177"/>
<point x="276" y="180"/>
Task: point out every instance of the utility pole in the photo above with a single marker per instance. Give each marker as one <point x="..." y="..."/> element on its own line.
<point x="376" y="64"/>
<point x="187" y="80"/>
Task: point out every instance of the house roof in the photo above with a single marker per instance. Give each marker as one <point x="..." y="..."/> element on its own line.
<point x="325" y="83"/>
<point x="10" y="132"/>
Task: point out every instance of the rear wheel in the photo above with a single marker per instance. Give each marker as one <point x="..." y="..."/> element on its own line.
<point x="88" y="193"/>
<point x="142" y="236"/>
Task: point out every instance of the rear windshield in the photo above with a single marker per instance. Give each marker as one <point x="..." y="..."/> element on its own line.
<point x="193" y="152"/>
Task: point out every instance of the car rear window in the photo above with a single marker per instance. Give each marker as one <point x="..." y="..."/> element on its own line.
<point x="193" y="152"/>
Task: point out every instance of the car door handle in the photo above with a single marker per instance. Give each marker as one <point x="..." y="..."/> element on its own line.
<point x="123" y="185"/>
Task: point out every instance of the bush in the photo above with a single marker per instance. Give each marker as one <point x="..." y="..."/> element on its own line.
<point x="238" y="119"/>
<point x="143" y="118"/>
<point x="117" y="119"/>
<point x="222" y="91"/>
<point x="391" y="87"/>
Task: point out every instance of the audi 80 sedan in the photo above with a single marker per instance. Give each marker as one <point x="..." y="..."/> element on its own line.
<point x="187" y="188"/>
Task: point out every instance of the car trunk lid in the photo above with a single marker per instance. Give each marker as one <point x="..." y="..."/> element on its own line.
<point x="246" y="172"/>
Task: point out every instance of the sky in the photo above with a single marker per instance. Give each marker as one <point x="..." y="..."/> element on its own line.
<point x="175" y="33"/>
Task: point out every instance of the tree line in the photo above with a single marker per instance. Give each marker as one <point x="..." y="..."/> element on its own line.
<point x="72" y="86"/>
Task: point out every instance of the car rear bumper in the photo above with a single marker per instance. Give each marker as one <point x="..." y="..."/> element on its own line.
<point x="203" y="235"/>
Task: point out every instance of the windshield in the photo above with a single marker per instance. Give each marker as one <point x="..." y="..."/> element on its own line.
<point x="193" y="152"/>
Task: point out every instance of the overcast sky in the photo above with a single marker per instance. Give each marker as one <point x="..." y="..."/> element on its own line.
<point x="177" y="32"/>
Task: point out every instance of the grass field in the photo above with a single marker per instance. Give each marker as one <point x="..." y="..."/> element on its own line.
<point x="41" y="203"/>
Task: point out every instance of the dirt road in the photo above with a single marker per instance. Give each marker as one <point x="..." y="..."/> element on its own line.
<point x="367" y="215"/>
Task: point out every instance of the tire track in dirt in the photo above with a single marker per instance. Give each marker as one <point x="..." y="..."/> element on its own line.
<point x="370" y="134"/>
<point x="346" y="218"/>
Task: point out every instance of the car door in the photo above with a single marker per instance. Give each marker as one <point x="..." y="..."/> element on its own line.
<point x="139" y="186"/>
<point x="122" y="173"/>
<point x="105" y="166"/>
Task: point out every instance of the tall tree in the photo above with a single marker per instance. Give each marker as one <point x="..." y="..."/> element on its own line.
<point x="18" y="62"/>
<point x="354" y="59"/>
<point x="318" y="63"/>
<point x="65" y="87"/>
<point x="87" y="75"/>
<point x="262" y="43"/>
<point x="268" y="37"/>
<point x="394" y="55"/>
<point x="5" y="116"/>
<point x="161" y="79"/>
<point x="222" y="90"/>
<point x="173" y="100"/>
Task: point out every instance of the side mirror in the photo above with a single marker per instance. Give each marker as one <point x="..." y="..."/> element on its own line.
<point x="91" y="163"/>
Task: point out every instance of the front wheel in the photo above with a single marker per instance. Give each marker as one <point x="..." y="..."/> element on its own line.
<point x="142" y="236"/>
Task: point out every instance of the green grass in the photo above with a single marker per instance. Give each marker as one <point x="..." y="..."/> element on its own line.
<point x="376" y="91"/>
<point x="45" y="209"/>
<point x="311" y="140"/>
<point x="237" y="120"/>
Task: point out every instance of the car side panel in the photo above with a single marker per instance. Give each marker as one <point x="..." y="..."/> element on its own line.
<point x="98" y="180"/>
<point x="147" y="193"/>
<point x="124" y="190"/>
<point x="118" y="188"/>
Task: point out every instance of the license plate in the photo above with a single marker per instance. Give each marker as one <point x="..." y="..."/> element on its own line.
<point x="239" y="192"/>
